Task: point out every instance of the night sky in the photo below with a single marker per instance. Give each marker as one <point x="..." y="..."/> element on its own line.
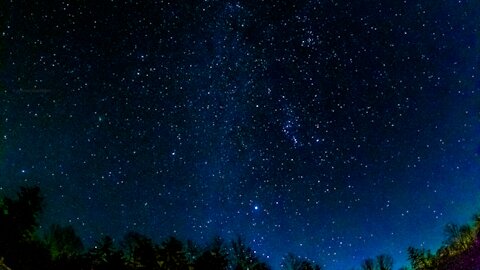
<point x="336" y="130"/>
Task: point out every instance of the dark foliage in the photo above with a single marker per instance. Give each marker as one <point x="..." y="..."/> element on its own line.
<point x="63" y="242"/>
<point x="214" y="257"/>
<point x="368" y="264"/>
<point x="105" y="255"/>
<point x="244" y="258"/>
<point x="140" y="252"/>
<point x="381" y="262"/>
<point x="60" y="248"/>
<point x="292" y="262"/>
<point x="171" y="255"/>
<point x="460" y="250"/>
<point x="18" y="221"/>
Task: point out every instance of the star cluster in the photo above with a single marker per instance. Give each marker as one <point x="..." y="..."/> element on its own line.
<point x="336" y="130"/>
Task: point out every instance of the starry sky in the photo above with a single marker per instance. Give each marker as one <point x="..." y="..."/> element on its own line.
<point x="333" y="129"/>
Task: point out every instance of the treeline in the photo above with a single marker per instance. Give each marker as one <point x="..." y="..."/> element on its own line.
<point x="460" y="250"/>
<point x="23" y="247"/>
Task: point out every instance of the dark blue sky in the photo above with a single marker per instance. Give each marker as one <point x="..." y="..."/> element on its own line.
<point x="337" y="130"/>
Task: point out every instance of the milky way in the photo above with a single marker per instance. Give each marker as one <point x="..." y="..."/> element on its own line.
<point x="336" y="130"/>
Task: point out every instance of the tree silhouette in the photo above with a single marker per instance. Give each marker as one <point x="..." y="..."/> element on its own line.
<point x="384" y="262"/>
<point x="460" y="250"/>
<point x="421" y="259"/>
<point x="105" y="256"/>
<point x="65" y="247"/>
<point x="18" y="222"/>
<point x="368" y="264"/>
<point x="30" y="255"/>
<point x="171" y="255"/>
<point x="458" y="239"/>
<point x="243" y="257"/>
<point x="19" y="218"/>
<point x="292" y="262"/>
<point x="192" y="251"/>
<point x="60" y="248"/>
<point x="381" y="262"/>
<point x="214" y="257"/>
<point x="140" y="252"/>
<point x="63" y="242"/>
